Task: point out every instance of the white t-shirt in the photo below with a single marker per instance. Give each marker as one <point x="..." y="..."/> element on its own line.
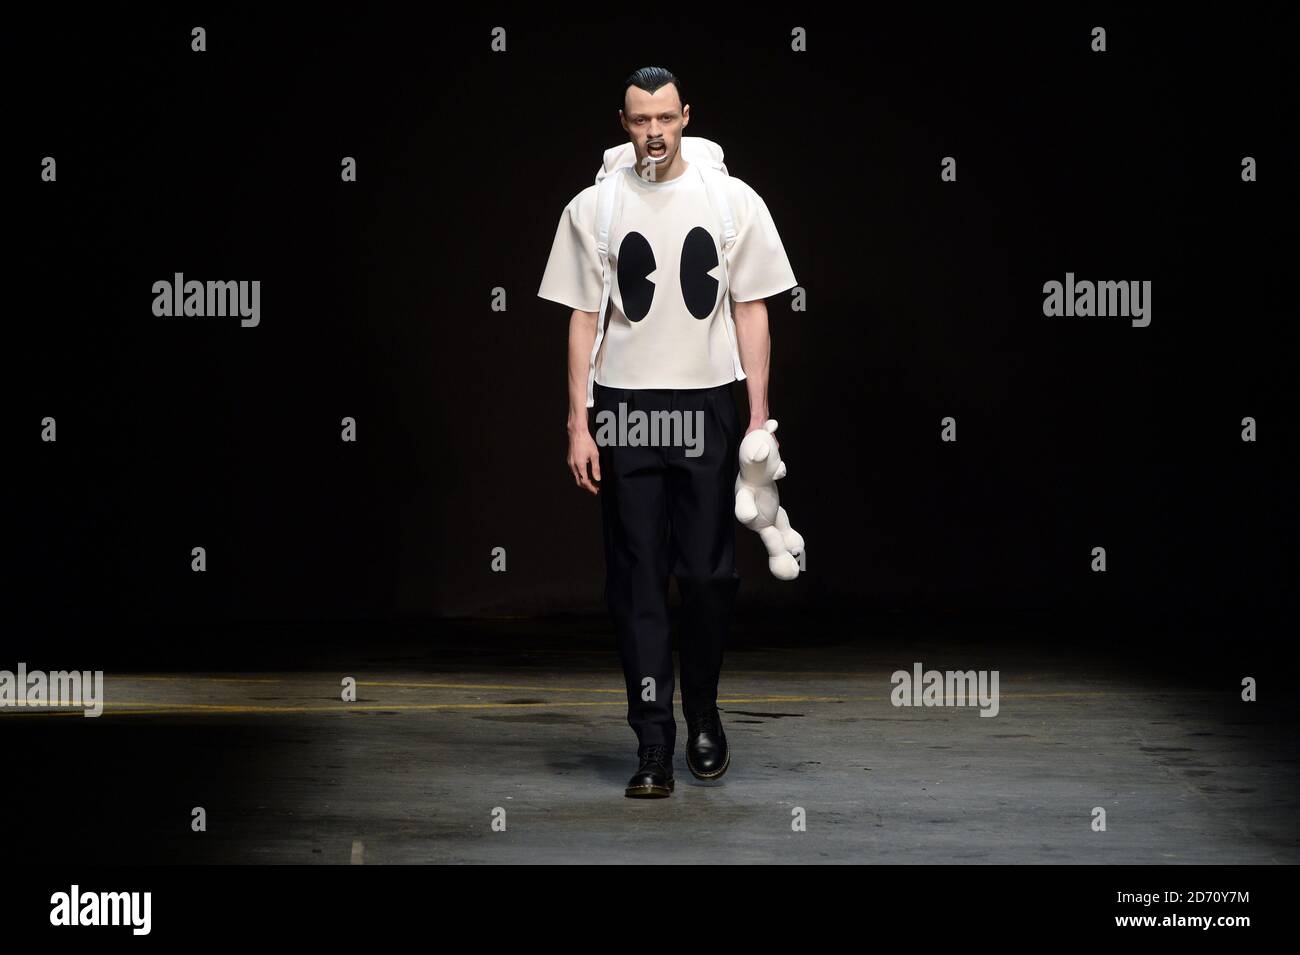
<point x="666" y="325"/>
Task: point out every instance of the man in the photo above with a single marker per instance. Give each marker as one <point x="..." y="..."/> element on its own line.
<point x="667" y="348"/>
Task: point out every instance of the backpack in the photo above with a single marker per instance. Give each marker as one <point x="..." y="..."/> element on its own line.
<point x="697" y="151"/>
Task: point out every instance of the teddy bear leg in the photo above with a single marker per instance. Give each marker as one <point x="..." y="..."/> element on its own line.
<point x="779" y="560"/>
<point x="791" y="538"/>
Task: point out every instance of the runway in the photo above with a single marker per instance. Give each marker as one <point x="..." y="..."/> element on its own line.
<point x="529" y="729"/>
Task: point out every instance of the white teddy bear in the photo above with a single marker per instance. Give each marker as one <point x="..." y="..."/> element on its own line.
<point x="758" y="506"/>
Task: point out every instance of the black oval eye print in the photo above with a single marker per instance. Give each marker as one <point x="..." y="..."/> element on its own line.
<point x="699" y="257"/>
<point x="636" y="260"/>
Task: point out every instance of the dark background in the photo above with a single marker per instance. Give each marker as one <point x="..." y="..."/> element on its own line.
<point x="924" y="300"/>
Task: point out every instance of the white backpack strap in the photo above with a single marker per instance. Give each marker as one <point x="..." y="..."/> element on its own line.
<point x="606" y="199"/>
<point x="717" y="191"/>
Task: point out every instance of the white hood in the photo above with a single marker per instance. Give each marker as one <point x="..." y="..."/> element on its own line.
<point x="694" y="149"/>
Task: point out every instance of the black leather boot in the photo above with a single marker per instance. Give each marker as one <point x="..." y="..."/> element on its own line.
<point x="706" y="744"/>
<point x="654" y="777"/>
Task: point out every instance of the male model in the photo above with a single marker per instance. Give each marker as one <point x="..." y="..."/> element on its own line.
<point x="667" y="347"/>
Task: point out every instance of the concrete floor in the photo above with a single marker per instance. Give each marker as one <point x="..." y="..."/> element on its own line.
<point x="440" y="740"/>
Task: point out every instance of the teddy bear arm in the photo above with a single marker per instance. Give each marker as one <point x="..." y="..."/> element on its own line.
<point x="746" y="506"/>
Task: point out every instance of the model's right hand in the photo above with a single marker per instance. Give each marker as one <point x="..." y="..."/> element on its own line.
<point x="583" y="451"/>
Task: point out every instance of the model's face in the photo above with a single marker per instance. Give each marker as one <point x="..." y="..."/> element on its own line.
<point x="655" y="122"/>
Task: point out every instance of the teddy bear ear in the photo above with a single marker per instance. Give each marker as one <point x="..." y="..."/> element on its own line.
<point x="770" y="426"/>
<point x="760" y="453"/>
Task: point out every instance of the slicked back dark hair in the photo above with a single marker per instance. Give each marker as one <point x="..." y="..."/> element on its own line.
<point x="650" y="79"/>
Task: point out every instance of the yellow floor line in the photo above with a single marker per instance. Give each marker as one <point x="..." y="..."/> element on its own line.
<point x="193" y="678"/>
<point x="490" y="686"/>
<point x="136" y="707"/>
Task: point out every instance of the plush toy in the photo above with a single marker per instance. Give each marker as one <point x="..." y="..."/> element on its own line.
<point x="758" y="506"/>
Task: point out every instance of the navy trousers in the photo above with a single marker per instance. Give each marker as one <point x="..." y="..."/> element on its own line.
<point x="667" y="509"/>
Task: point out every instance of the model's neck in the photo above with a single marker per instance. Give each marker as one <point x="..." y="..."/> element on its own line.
<point x="678" y="166"/>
